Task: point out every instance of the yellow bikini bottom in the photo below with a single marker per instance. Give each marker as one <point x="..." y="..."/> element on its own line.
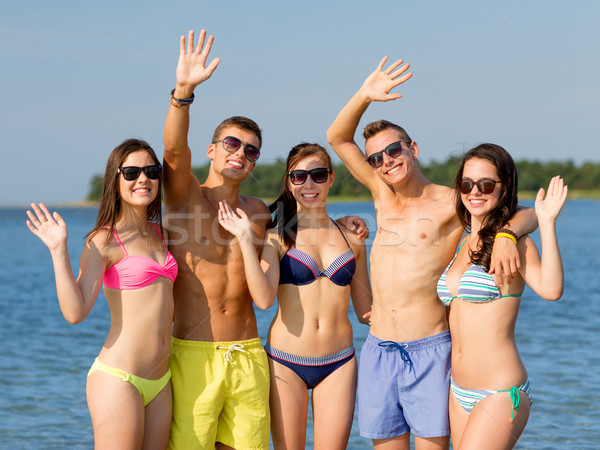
<point x="148" y="388"/>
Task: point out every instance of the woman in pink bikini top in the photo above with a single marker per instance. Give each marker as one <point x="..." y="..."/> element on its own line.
<point x="128" y="386"/>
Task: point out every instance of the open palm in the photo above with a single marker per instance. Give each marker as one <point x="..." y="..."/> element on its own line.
<point x="378" y="85"/>
<point x="191" y="67"/>
<point x="50" y="228"/>
<point x="236" y="222"/>
<point x="548" y="208"/>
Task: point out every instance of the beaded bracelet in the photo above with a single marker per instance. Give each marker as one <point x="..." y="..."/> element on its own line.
<point x="506" y="233"/>
<point x="181" y="101"/>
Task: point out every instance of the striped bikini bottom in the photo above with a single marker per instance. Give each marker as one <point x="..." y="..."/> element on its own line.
<point x="468" y="398"/>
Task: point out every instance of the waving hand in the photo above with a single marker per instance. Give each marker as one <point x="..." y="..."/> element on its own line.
<point x="378" y="85"/>
<point x="236" y="222"/>
<point x="50" y="228"/>
<point x="547" y="209"/>
<point x="191" y="67"/>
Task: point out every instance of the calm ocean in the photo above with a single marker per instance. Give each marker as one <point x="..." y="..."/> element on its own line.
<point x="44" y="360"/>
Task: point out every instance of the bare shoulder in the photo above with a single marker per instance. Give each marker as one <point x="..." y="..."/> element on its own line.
<point x="97" y="244"/>
<point x="442" y="199"/>
<point x="272" y="238"/>
<point x="441" y="194"/>
<point x="99" y="238"/>
<point x="187" y="199"/>
<point x="256" y="209"/>
<point x="254" y="204"/>
<point x="272" y="235"/>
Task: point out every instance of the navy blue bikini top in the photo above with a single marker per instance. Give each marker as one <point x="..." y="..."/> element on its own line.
<point x="298" y="268"/>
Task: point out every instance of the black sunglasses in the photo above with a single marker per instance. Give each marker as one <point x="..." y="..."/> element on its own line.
<point x="318" y="175"/>
<point x="393" y="151"/>
<point x="231" y="144"/>
<point x="485" y="185"/>
<point x="131" y="173"/>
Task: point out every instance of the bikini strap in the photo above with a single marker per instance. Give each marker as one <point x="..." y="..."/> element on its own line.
<point x="461" y="244"/>
<point x="117" y="238"/>
<point x="158" y="231"/>
<point x="340" y="230"/>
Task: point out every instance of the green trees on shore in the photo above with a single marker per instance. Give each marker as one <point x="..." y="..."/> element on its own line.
<point x="266" y="180"/>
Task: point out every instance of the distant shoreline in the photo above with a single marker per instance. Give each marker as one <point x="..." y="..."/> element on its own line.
<point x="575" y="194"/>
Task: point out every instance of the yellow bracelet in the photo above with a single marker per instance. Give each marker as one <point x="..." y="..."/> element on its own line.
<point x="506" y="235"/>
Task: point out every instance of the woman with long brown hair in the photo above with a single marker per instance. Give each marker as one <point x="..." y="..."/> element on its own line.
<point x="128" y="386"/>
<point x="490" y="392"/>
<point x="313" y="267"/>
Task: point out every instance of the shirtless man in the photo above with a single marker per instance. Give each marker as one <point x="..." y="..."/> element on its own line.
<point x="220" y="372"/>
<point x="408" y="348"/>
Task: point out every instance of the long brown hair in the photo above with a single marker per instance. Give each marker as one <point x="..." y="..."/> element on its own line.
<point x="284" y="206"/>
<point x="507" y="203"/>
<point x="110" y="202"/>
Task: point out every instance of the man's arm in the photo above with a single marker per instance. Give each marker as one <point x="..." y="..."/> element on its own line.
<point x="505" y="262"/>
<point x="191" y="71"/>
<point x="340" y="135"/>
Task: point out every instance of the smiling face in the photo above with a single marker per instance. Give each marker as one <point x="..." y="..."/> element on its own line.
<point x="143" y="190"/>
<point x="310" y="194"/>
<point x="233" y="165"/>
<point x="477" y="203"/>
<point x="393" y="170"/>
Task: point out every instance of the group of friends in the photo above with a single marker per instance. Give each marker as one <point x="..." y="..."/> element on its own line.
<point x="183" y="366"/>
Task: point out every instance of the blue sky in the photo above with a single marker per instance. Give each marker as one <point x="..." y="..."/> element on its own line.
<point x="78" y="77"/>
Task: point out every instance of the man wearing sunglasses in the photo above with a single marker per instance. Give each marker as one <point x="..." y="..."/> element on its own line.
<point x="417" y="234"/>
<point x="220" y="374"/>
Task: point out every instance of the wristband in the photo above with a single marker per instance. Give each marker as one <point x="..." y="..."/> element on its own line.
<point x="181" y="101"/>
<point x="506" y="233"/>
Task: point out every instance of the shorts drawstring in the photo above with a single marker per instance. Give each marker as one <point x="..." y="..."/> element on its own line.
<point x="403" y="353"/>
<point x="232" y="348"/>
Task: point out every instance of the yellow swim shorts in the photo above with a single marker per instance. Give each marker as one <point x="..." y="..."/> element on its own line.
<point x="220" y="394"/>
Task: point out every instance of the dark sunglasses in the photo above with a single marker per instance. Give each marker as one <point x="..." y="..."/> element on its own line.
<point x="318" y="175"/>
<point x="393" y="151"/>
<point x="485" y="185"/>
<point x="131" y="173"/>
<point x="231" y="144"/>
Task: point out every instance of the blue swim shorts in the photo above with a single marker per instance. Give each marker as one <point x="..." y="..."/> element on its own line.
<point x="404" y="386"/>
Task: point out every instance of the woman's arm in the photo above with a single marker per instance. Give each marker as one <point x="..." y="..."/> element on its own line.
<point x="505" y="262"/>
<point x="262" y="274"/>
<point x="360" y="288"/>
<point x="546" y="275"/>
<point x="75" y="297"/>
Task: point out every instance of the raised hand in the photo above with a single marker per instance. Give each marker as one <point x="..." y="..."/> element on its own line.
<point x="547" y="209"/>
<point x="191" y="67"/>
<point x="237" y="224"/>
<point x="50" y="228"/>
<point x="378" y="85"/>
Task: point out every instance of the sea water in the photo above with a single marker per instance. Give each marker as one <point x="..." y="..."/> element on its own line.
<point x="44" y="360"/>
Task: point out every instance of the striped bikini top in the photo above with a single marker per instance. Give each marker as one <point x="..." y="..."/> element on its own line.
<point x="136" y="271"/>
<point x="476" y="285"/>
<point x="299" y="268"/>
